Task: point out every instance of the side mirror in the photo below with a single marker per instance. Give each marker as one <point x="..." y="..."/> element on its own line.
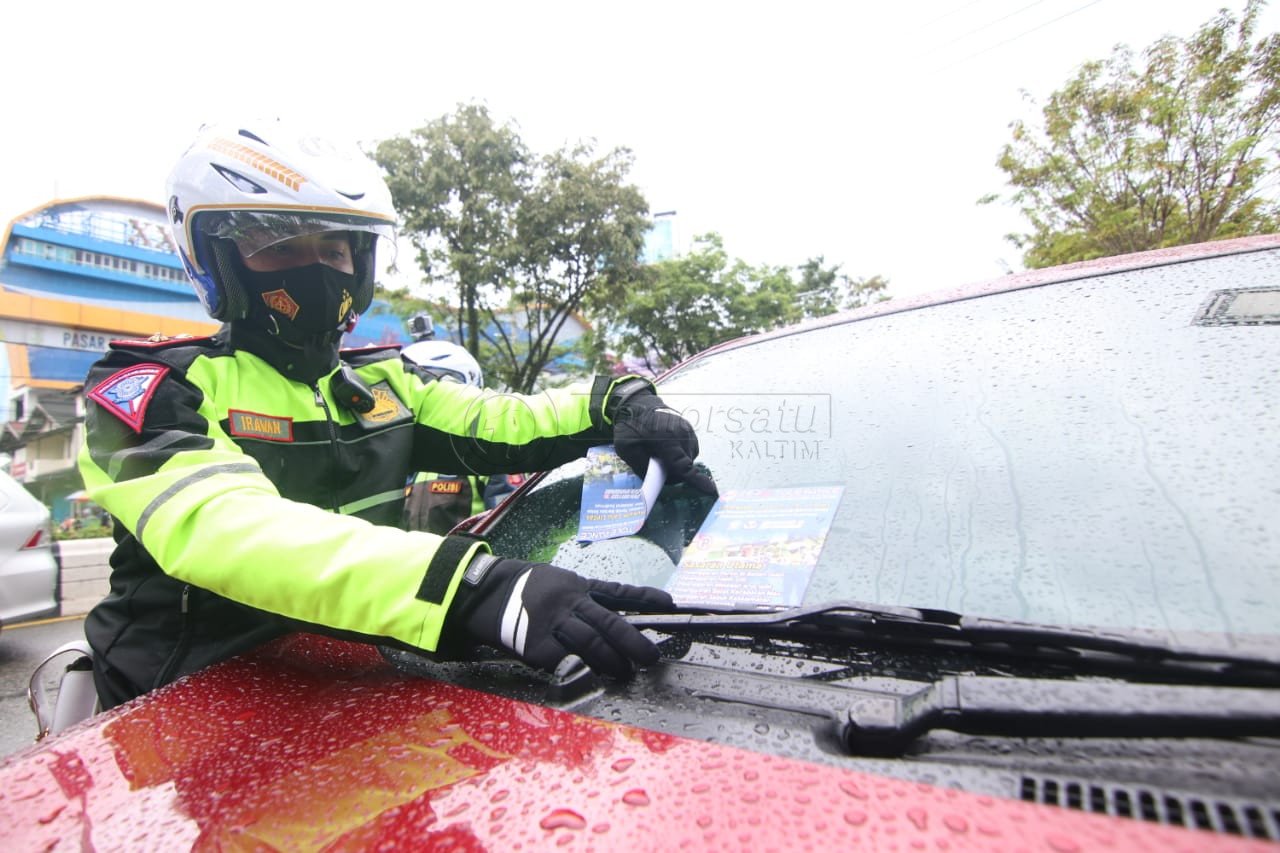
<point x="60" y="698"/>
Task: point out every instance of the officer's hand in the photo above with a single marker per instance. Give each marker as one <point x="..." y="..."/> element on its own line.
<point x="644" y="427"/>
<point x="543" y="614"/>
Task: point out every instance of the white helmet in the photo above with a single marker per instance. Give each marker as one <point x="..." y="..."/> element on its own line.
<point x="256" y="185"/>
<point x="445" y="360"/>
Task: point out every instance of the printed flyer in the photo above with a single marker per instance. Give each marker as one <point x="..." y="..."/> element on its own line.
<point x="615" y="501"/>
<point x="757" y="547"/>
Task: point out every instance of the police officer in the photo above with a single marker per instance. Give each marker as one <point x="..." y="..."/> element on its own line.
<point x="439" y="502"/>
<point x="257" y="475"/>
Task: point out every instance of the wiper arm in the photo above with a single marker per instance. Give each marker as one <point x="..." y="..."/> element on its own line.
<point x="876" y="720"/>
<point x="1033" y="707"/>
<point x="854" y="621"/>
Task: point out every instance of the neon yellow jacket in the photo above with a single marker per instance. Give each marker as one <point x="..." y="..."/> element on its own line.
<point x="250" y="504"/>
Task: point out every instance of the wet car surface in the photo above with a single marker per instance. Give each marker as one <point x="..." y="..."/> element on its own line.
<point x="1042" y="618"/>
<point x="313" y="743"/>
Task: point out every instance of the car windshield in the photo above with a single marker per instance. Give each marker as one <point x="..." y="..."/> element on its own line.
<point x="1099" y="452"/>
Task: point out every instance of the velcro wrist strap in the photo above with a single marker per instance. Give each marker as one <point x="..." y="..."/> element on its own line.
<point x="599" y="392"/>
<point x="621" y="391"/>
<point x="444" y="566"/>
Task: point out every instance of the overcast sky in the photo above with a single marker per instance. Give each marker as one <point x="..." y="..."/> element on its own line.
<point x="863" y="132"/>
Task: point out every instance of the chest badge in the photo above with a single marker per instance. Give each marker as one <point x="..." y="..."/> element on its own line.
<point x="387" y="408"/>
<point x="126" y="393"/>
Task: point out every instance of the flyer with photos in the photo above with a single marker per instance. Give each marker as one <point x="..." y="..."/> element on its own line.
<point x="757" y="547"/>
<point x="615" y="500"/>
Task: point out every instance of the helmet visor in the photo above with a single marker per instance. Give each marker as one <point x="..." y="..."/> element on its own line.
<point x="444" y="374"/>
<point x="255" y="230"/>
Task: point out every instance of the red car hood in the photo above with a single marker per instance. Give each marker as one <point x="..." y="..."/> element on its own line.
<point x="312" y="743"/>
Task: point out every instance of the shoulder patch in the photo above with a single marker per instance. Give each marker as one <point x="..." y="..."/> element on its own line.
<point x="127" y="392"/>
<point x="387" y="408"/>
<point x="157" y="341"/>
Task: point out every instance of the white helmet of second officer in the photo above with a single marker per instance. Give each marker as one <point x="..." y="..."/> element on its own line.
<point x="445" y="360"/>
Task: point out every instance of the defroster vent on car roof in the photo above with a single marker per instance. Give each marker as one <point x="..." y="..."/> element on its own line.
<point x="1244" y="306"/>
<point x="1217" y="814"/>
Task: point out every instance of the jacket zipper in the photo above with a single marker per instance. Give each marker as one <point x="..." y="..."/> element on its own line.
<point x="333" y="446"/>
<point x="184" y="640"/>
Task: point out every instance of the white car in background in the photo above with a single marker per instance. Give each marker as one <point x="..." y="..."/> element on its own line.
<point x="28" y="570"/>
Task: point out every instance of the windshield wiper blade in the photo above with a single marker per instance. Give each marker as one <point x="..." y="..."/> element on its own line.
<point x="873" y="720"/>
<point x="860" y="621"/>
<point x="1024" y="707"/>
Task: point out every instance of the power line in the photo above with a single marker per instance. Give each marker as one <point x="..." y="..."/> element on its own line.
<point x="949" y="13"/>
<point x="1022" y="34"/>
<point x="989" y="24"/>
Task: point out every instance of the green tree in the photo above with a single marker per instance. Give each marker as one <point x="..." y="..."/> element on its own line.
<point x="824" y="290"/>
<point x="457" y="184"/>
<point x="581" y="228"/>
<point x="686" y="304"/>
<point x="525" y="242"/>
<point x="1180" y="149"/>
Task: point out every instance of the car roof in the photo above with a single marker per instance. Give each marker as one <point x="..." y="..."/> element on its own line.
<point x="1013" y="282"/>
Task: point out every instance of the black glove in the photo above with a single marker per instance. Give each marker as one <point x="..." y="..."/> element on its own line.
<point x="644" y="427"/>
<point x="543" y="614"/>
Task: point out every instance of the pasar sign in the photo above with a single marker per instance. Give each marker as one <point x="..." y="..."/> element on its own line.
<point x="72" y="339"/>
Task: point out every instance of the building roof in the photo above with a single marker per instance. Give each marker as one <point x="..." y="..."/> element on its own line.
<point x="112" y="219"/>
<point x="52" y="411"/>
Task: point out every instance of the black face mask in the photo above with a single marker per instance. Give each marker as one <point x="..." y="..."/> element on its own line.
<point x="300" y="303"/>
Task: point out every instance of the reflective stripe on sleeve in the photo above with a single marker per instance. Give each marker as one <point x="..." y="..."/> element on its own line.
<point x="371" y="501"/>
<point x="120" y="457"/>
<point x="202" y="474"/>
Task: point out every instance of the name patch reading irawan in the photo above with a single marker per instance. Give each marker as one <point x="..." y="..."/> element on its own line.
<point x="265" y="427"/>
